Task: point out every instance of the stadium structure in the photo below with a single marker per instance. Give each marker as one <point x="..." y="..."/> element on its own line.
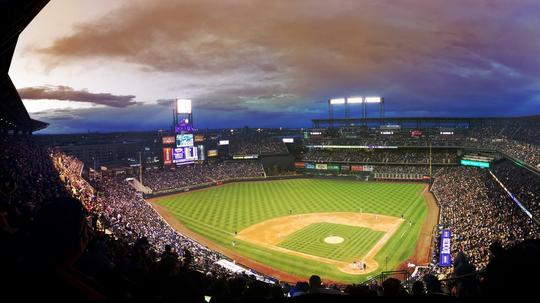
<point x="367" y="205"/>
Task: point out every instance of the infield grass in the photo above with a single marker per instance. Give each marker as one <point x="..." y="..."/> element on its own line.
<point x="216" y="213"/>
<point x="310" y="240"/>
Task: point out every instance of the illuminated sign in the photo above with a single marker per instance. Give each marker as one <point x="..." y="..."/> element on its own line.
<point x="288" y="140"/>
<point x="223" y="142"/>
<point x="184" y="155"/>
<point x="447" y="133"/>
<point x="199" y="138"/>
<point x="315" y="133"/>
<point x="445" y="255"/>
<point x="387" y="133"/>
<point x="184" y="140"/>
<point x="475" y="163"/>
<point x="212" y="153"/>
<point x="167" y="156"/>
<point x="168" y="140"/>
<point x="299" y="164"/>
<point x="183" y="106"/>
<point x="245" y="157"/>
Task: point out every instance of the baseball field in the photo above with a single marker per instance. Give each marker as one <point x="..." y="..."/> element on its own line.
<point x="342" y="230"/>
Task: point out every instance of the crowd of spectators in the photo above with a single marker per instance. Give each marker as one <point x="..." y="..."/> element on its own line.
<point x="190" y="175"/>
<point x="522" y="183"/>
<point x="410" y="155"/>
<point x="242" y="146"/>
<point x="401" y="169"/>
<point x="65" y="238"/>
<point x="479" y="213"/>
<point x="516" y="139"/>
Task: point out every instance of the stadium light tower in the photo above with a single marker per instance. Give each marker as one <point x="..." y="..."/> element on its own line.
<point x="331" y="103"/>
<point x="364" y="101"/>
<point x="353" y="100"/>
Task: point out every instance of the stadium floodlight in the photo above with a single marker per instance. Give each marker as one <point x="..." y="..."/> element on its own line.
<point x="373" y="99"/>
<point x="337" y="101"/>
<point x="183" y="106"/>
<point x="354" y="100"/>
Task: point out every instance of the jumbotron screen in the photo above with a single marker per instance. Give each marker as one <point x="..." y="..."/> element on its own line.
<point x="184" y="155"/>
<point x="183" y="140"/>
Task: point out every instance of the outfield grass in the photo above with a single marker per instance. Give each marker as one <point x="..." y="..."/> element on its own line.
<point x="218" y="212"/>
<point x="310" y="240"/>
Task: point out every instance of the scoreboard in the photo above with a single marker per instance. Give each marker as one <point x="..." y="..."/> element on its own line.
<point x="184" y="155"/>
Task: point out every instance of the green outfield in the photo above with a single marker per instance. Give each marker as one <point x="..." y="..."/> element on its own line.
<point x="217" y="213"/>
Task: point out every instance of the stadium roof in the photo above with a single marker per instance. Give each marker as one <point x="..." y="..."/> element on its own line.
<point x="423" y="121"/>
<point x="15" y="16"/>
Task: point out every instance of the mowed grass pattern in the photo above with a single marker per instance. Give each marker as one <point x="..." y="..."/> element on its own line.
<point x="310" y="240"/>
<point x="216" y="213"/>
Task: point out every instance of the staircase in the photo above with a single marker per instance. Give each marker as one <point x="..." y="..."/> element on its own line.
<point x="139" y="187"/>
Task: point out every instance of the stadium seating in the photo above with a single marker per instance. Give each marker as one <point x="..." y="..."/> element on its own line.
<point x="67" y="237"/>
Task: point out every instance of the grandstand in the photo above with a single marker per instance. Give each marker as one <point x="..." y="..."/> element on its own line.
<point x="350" y="208"/>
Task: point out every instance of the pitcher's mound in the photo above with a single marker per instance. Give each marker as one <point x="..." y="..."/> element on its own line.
<point x="333" y="240"/>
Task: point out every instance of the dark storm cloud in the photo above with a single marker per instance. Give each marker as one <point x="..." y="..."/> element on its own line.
<point x="435" y="57"/>
<point x="67" y="93"/>
<point x="166" y="102"/>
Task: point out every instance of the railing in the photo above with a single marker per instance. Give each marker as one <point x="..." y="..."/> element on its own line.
<point x="402" y="275"/>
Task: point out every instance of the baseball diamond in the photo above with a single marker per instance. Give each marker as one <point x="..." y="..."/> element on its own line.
<point x="283" y="224"/>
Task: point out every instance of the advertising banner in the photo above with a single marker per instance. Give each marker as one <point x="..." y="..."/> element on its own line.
<point x="167" y="156"/>
<point x="333" y="167"/>
<point x="169" y="140"/>
<point x="445" y="256"/>
<point x="357" y="168"/>
<point x="321" y="166"/>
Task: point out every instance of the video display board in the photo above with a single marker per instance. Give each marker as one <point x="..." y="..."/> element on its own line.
<point x="184" y="155"/>
<point x="183" y="140"/>
<point x="475" y="163"/>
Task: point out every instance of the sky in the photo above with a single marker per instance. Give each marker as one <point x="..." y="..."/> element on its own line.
<point x="116" y="65"/>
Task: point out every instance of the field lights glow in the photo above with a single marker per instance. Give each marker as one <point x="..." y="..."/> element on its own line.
<point x="373" y="100"/>
<point x="354" y="100"/>
<point x="183" y="106"/>
<point x="337" y="101"/>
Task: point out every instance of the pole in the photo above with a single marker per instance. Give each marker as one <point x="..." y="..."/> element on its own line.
<point x="140" y="168"/>
<point x="430" y="163"/>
